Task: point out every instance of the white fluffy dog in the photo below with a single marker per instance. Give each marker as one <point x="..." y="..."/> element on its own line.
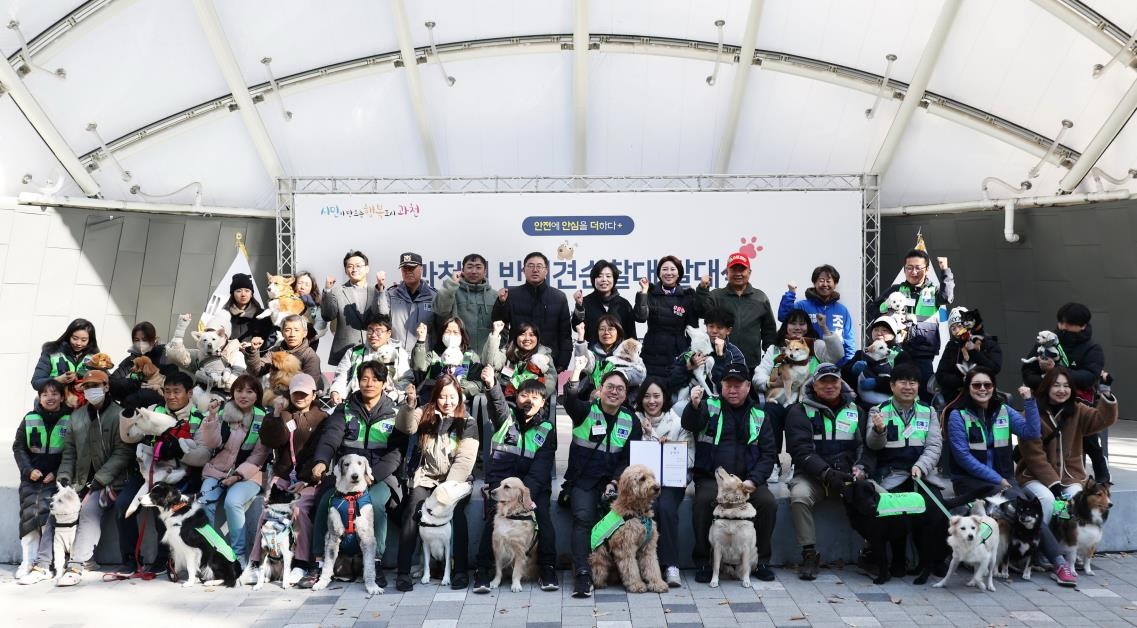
<point x="436" y="526"/>
<point x="353" y="477"/>
<point x="701" y="343"/>
<point x="974" y="539"/>
<point x="65" y="506"/>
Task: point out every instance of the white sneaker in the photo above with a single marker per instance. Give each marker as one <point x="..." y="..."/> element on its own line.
<point x="36" y="575"/>
<point x="249" y="575"/>
<point x="23" y="570"/>
<point x="296" y="574"/>
<point x="673" y="579"/>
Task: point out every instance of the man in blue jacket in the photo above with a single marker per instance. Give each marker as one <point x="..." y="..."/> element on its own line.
<point x="731" y="432"/>
<point x="524" y="446"/>
<point x="408" y="303"/>
<point x="823" y="300"/>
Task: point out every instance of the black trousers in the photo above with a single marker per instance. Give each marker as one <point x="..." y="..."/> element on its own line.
<point x="408" y="535"/>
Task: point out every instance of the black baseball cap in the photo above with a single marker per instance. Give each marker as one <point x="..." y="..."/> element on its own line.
<point x="410" y="259"/>
<point x="826" y="370"/>
<point x="736" y="371"/>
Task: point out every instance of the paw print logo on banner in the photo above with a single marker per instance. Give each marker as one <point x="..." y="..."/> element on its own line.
<point x="750" y="247"/>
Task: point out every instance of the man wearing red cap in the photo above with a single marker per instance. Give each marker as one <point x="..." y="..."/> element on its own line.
<point x="754" y="326"/>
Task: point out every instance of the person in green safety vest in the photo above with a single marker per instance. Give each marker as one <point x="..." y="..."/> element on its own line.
<point x="903" y="439"/>
<point x="429" y="364"/>
<point x="979" y="429"/>
<point x="825" y="434"/>
<point x="185" y="446"/>
<point x="233" y="476"/>
<point x="38" y="449"/>
<point x="524" y="446"/>
<point x="378" y="345"/>
<point x="96" y="462"/>
<point x="731" y="432"/>
<point x="445" y="449"/>
<point x="607" y="353"/>
<point x="62" y="359"/>
<point x="523" y="359"/>
<point x="598" y="455"/>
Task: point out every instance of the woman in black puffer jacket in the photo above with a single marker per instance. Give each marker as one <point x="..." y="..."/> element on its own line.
<point x="668" y="309"/>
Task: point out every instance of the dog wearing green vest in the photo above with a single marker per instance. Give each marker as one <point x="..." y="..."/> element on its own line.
<point x="974" y="539"/>
<point x="194" y="543"/>
<point x="625" y="539"/>
<point x="734" y="542"/>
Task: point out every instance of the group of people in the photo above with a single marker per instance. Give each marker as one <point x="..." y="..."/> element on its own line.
<point x="487" y="364"/>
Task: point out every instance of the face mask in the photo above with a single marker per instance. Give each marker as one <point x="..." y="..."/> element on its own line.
<point x="452" y="341"/>
<point x="1067" y="337"/>
<point x="142" y="346"/>
<point x="95" y="396"/>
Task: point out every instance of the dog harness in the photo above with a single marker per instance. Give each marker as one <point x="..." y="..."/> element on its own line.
<point x="529" y="515"/>
<point x="892" y="504"/>
<point x="349" y="505"/>
<point x="985" y="532"/>
<point x="612" y="522"/>
<point x="276" y="528"/>
<point x="218" y="542"/>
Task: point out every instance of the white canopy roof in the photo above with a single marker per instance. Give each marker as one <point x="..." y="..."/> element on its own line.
<point x="164" y="82"/>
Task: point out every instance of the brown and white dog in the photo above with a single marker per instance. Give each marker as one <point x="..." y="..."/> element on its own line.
<point x="514" y="533"/>
<point x="283" y="300"/>
<point x="791" y="370"/>
<point x="733" y="538"/>
<point x="631" y="550"/>
<point x="1080" y="532"/>
<point x="284" y="366"/>
<point x="148" y="373"/>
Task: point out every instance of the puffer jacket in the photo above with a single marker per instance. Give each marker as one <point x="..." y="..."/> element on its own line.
<point x="230" y="458"/>
<point x="547" y="309"/>
<point x="407" y="312"/>
<point x="838" y="320"/>
<point x="596" y="306"/>
<point x="93" y="443"/>
<point x="668" y="315"/>
<point x="754" y="326"/>
<point x="816" y="443"/>
<point x="471" y="302"/>
<point x="274" y="435"/>
<point x="35" y="497"/>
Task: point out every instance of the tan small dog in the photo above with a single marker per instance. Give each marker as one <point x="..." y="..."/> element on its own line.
<point x="626" y="538"/>
<point x="514" y="533"/>
<point x="148" y="372"/>
<point x="734" y="542"/>
<point x="283" y="300"/>
<point x="792" y="369"/>
<point x="284" y="366"/>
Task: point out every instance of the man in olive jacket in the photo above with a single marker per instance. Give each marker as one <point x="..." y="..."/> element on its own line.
<point x="95" y="461"/>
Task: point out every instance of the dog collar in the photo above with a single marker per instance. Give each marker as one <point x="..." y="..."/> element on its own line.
<point x="178" y="507"/>
<point x="731" y="502"/>
<point x="56" y="523"/>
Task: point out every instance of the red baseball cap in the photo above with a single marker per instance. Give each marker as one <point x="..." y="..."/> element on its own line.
<point x="736" y="259"/>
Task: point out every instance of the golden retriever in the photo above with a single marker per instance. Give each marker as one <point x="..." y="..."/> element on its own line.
<point x="733" y="538"/>
<point x="631" y="548"/>
<point x="514" y="533"/>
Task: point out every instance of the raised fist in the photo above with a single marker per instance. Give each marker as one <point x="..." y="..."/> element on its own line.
<point x="719" y="345"/>
<point x="1024" y="392"/>
<point x="580" y="332"/>
<point x="457" y="276"/>
<point x="645" y="283"/>
<point x="877" y="419"/>
<point x="185" y="318"/>
<point x="943" y="262"/>
<point x="381" y="279"/>
<point x="578" y="364"/>
<point x="791" y="286"/>
<point x="578" y="296"/>
<point x="696" y="396"/>
<point x="502" y="295"/>
<point x="420" y="331"/>
<point x="498" y="327"/>
<point x="705" y="281"/>
<point x="411" y="396"/>
<point x="487" y="376"/>
<point x="329" y="282"/>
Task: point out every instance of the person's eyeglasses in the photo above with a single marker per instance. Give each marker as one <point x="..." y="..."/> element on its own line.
<point x="605" y="329"/>
<point x="534" y="267"/>
<point x="355" y="266"/>
<point x="376" y="332"/>
<point x="914" y="269"/>
<point x="612" y="388"/>
<point x="981" y="385"/>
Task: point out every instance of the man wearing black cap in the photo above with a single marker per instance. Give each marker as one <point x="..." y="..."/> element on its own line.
<point x="409" y="303"/>
<point x="732" y="432"/>
<point x="825" y="435"/>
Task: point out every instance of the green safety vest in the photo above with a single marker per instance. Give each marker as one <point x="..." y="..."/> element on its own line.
<point x="603" y="367"/>
<point x="843" y="428"/>
<point x="39" y="441"/>
<point x="511" y="440"/>
<point x="195" y="417"/>
<point x="1001" y="431"/>
<point x="607" y="526"/>
<point x="714" y="406"/>
<point x="254" y="429"/>
<point x="217" y="541"/>
<point x="922" y="305"/>
<point x="614" y="440"/>
<point x="900" y="504"/>
<point x="59" y="358"/>
<point x="912" y="434"/>
<point x="373" y="436"/>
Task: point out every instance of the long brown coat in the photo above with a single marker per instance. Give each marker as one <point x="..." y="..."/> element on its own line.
<point x="1061" y="461"/>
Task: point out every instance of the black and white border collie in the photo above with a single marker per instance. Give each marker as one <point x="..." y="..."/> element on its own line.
<point x="188" y="534"/>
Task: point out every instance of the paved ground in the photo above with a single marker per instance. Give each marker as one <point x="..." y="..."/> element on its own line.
<point x="837" y="598"/>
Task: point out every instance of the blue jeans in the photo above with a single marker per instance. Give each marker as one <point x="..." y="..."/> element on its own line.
<point x="237" y="499"/>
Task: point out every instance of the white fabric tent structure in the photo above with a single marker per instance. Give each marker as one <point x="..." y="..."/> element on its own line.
<point x="178" y="95"/>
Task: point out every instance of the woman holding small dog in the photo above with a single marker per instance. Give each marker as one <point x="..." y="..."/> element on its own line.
<point x="38" y="449"/>
<point x="451" y="356"/>
<point x="233" y="475"/>
<point x="62" y="359"/>
<point x="979" y="429"/>
<point x="610" y="351"/>
<point x="126" y="380"/>
<point x="660" y="423"/>
<point x="445" y="452"/>
<point x="525" y="358"/>
<point x="1051" y="467"/>
<point x="598" y="455"/>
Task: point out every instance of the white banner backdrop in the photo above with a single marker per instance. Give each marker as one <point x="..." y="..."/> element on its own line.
<point x="785" y="235"/>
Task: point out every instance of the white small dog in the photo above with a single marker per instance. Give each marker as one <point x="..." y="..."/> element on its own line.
<point x="701" y="343"/>
<point x="436" y="526"/>
<point x="65" y="506"/>
<point x="357" y="527"/>
<point x="276" y="537"/>
<point x="974" y="539"/>
<point x="1045" y="346"/>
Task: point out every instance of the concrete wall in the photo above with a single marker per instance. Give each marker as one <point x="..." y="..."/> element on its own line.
<point x="114" y="270"/>
<point x="1083" y="254"/>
